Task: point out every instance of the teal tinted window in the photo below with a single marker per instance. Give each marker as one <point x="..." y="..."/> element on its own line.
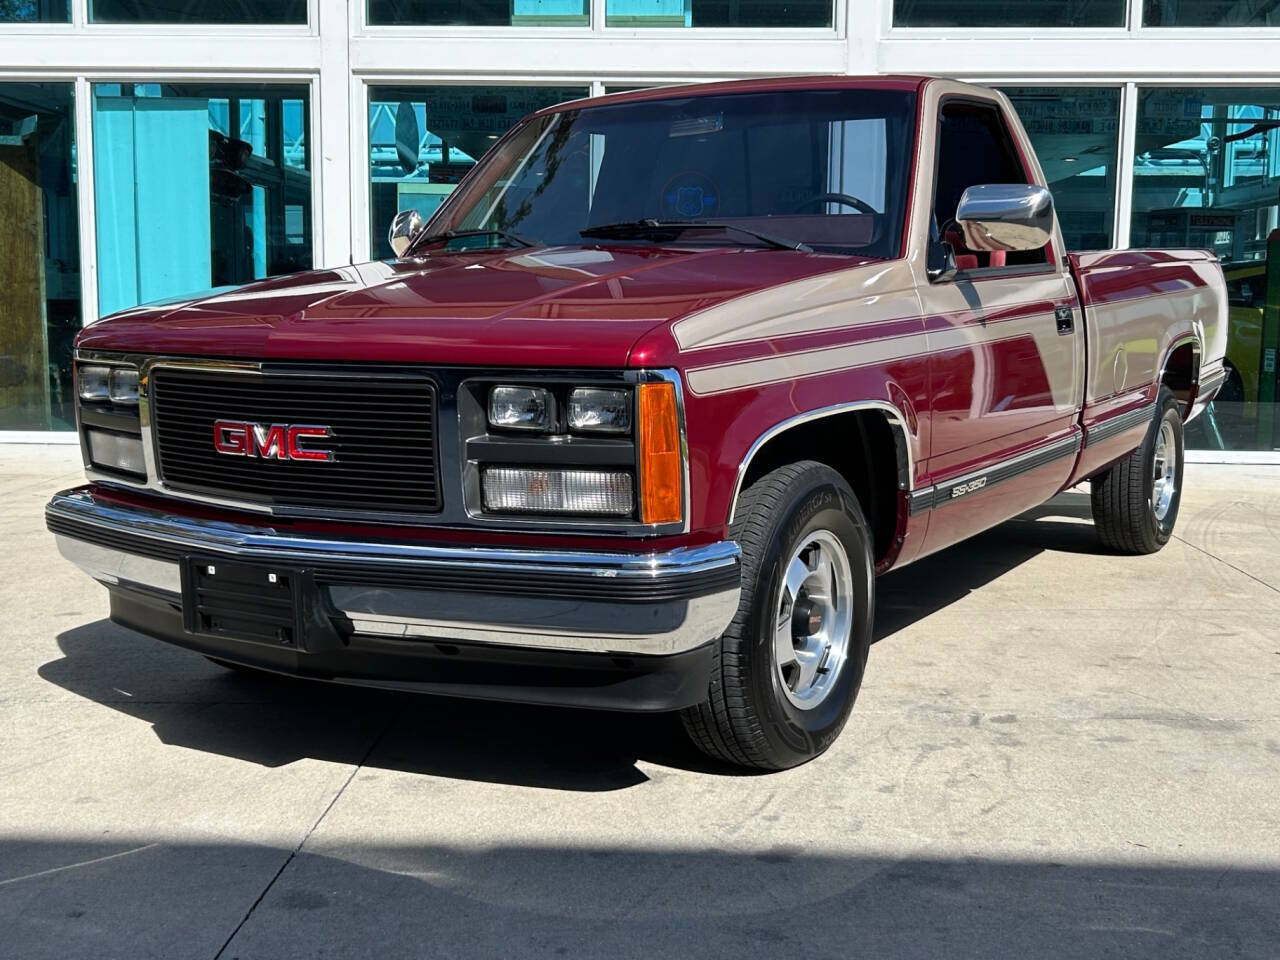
<point x="999" y="13"/>
<point x="423" y="140"/>
<point x="35" y="11"/>
<point x="198" y="11"/>
<point x="1210" y="13"/>
<point x="1076" y="133"/>
<point x="39" y="256"/>
<point x="479" y="13"/>
<point x="1207" y="174"/>
<point x="198" y="186"/>
<point x="718" y="13"/>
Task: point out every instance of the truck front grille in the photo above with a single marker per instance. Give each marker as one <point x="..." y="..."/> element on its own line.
<point x="383" y="438"/>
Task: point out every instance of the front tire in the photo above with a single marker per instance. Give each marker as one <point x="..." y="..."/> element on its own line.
<point x="1135" y="503"/>
<point x="789" y="667"/>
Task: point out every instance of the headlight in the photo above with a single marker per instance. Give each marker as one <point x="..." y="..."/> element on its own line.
<point x="95" y="383"/>
<point x="521" y="408"/>
<point x="519" y="490"/>
<point x="122" y="385"/>
<point x="110" y="421"/>
<point x="597" y="410"/>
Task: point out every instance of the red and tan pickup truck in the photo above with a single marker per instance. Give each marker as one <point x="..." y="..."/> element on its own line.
<point x="637" y="417"/>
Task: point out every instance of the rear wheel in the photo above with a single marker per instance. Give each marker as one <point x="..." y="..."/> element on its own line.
<point x="1135" y="503"/>
<point x="788" y="669"/>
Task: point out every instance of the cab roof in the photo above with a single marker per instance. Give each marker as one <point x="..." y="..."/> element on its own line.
<point x="756" y="85"/>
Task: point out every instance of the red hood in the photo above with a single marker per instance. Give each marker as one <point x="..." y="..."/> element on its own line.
<point x="559" y="306"/>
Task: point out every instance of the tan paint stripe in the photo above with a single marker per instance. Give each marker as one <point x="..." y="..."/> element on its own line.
<point x="722" y="378"/>
<point x="871" y="292"/>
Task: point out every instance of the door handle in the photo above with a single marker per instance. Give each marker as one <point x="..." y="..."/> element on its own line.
<point x="1065" y="320"/>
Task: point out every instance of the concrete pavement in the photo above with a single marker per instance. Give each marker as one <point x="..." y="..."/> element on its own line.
<point x="1056" y="753"/>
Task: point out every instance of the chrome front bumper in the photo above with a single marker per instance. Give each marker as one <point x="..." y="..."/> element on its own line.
<point x="398" y="592"/>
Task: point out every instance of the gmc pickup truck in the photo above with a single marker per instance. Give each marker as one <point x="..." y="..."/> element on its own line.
<point x="635" y="420"/>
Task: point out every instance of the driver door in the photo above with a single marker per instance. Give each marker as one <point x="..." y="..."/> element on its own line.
<point x="1005" y="345"/>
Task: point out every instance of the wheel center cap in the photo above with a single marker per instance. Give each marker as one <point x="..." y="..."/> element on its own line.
<point x="808" y="618"/>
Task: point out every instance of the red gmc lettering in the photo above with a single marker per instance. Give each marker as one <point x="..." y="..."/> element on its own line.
<point x="297" y="452"/>
<point x="231" y="437"/>
<point x="277" y="441"/>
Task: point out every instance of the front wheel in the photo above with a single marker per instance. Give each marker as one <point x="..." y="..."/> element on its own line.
<point x="1135" y="503"/>
<point x="788" y="669"/>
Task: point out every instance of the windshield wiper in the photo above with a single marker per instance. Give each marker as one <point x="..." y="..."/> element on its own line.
<point x="447" y="235"/>
<point x="632" y="228"/>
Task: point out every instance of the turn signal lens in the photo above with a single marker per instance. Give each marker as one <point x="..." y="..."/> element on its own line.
<point x="661" y="466"/>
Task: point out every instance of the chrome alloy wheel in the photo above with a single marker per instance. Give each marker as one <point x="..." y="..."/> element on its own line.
<point x="813" y="619"/>
<point x="1165" y="469"/>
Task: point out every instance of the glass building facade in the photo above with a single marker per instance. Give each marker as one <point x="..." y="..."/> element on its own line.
<point x="153" y="149"/>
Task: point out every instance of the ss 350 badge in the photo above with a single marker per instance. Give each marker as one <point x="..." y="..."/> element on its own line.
<point x="969" y="487"/>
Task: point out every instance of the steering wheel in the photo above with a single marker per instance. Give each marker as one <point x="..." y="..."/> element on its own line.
<point x="847" y="199"/>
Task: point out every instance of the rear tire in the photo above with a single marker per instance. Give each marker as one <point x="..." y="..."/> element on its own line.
<point x="1135" y="503"/>
<point x="787" y="670"/>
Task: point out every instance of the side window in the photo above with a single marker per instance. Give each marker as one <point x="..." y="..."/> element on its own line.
<point x="974" y="146"/>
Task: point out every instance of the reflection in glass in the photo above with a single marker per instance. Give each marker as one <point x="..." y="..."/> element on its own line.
<point x="194" y="187"/>
<point x="1206" y="174"/>
<point x="422" y="140"/>
<point x="479" y="13"/>
<point x="35" y="11"/>
<point x="825" y="168"/>
<point x="197" y="11"/>
<point x="39" y="256"/>
<point x="718" y="13"/>
<point x="1210" y="13"/>
<point x="999" y="13"/>
<point x="1076" y="132"/>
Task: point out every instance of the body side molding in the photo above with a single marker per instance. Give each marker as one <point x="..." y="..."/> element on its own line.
<point x="1112" y="426"/>
<point x="957" y="488"/>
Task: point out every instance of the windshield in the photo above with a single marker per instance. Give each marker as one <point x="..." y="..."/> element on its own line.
<point x="822" y="168"/>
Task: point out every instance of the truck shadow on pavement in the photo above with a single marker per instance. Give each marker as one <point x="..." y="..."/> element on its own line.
<point x="904" y="597"/>
<point x="67" y="900"/>
<point x="273" y="721"/>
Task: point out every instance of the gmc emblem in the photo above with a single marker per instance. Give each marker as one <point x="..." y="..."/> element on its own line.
<point x="277" y="441"/>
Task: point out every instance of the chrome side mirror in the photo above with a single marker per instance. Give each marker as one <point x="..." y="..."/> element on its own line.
<point x="1005" y="216"/>
<point x="404" y="228"/>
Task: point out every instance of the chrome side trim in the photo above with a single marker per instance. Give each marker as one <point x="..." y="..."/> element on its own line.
<point x="1113" y="426"/>
<point x="958" y="488"/>
<point x="906" y="463"/>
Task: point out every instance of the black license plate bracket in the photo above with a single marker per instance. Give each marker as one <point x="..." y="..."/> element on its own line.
<point x="258" y="603"/>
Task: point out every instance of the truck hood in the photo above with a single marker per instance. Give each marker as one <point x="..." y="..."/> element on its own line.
<point x="554" y="306"/>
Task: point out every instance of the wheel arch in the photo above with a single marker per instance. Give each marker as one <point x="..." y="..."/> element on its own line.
<point x="879" y="481"/>
<point x="1180" y="371"/>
